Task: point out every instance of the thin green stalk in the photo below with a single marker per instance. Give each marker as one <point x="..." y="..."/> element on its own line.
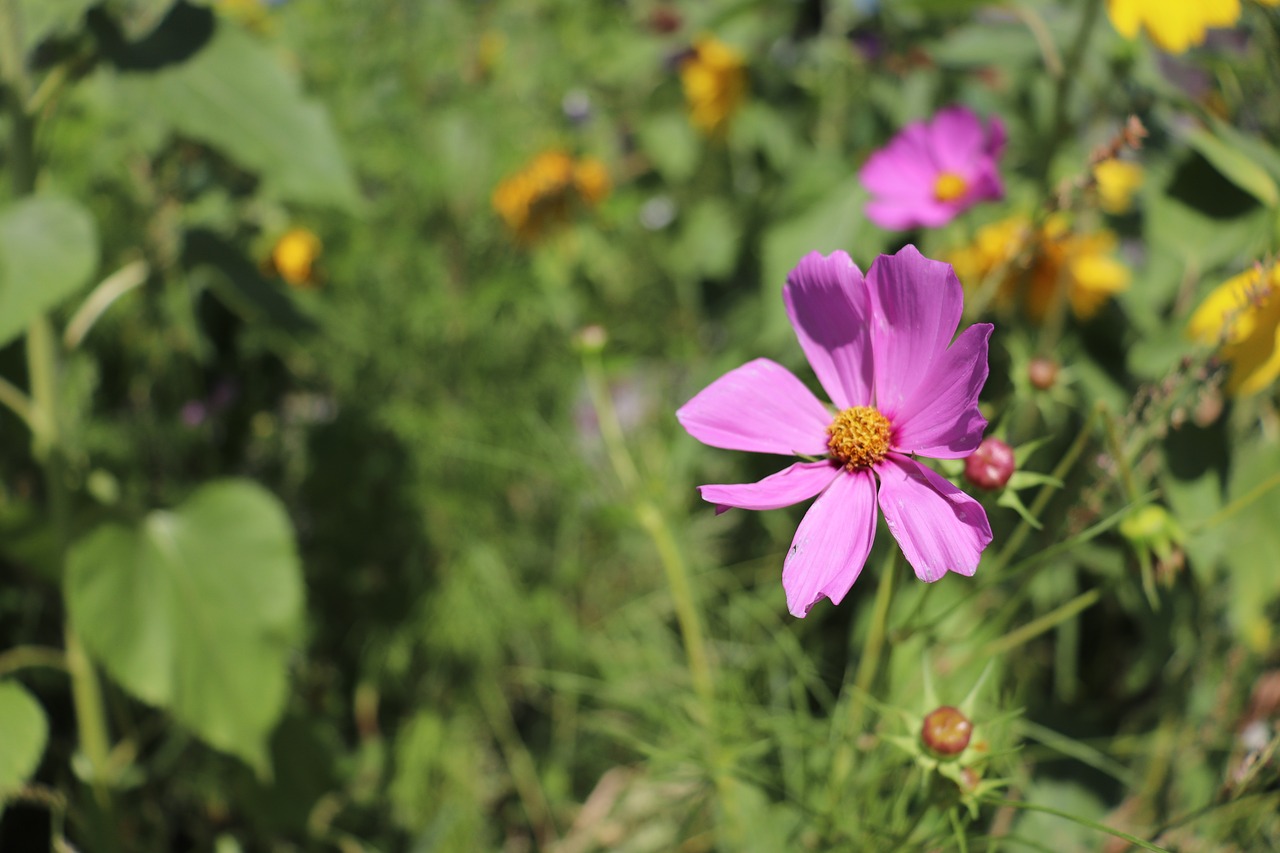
<point x="655" y="525"/>
<point x="15" y="400"/>
<point x="1065" y="83"/>
<point x="1020" y="533"/>
<point x="27" y="657"/>
<point x="1038" y="626"/>
<point x="868" y="667"/>
<point x="1236" y="505"/>
<point x="1034" y="807"/>
<point x="42" y="363"/>
<point x="676" y="570"/>
<point x="524" y="773"/>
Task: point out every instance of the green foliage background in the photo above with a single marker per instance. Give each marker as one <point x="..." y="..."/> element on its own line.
<point x="404" y="560"/>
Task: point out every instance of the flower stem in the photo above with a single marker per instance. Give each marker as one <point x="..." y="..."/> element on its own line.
<point x="45" y="423"/>
<point x="868" y="667"/>
<point x="1020" y="533"/>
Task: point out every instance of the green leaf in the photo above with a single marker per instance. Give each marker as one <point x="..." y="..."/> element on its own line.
<point x="196" y="610"/>
<point x="44" y="18"/>
<point x="672" y="145"/>
<point x="139" y="17"/>
<point x="235" y="95"/>
<point x="1235" y="166"/>
<point x="25" y="731"/>
<point x="48" y="250"/>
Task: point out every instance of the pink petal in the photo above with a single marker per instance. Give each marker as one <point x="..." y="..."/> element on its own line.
<point x="791" y="485"/>
<point x="827" y="301"/>
<point x="957" y="139"/>
<point x="760" y="407"/>
<point x="985" y="184"/>
<point x="904" y="165"/>
<point x="916" y="306"/>
<point x="939" y="527"/>
<point x="832" y="543"/>
<point x="902" y="212"/>
<point x="996" y="137"/>
<point x="941" y="419"/>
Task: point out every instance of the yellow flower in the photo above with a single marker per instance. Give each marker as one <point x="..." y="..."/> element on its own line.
<point x="541" y="194"/>
<point x="1242" y="315"/>
<point x="591" y="180"/>
<point x="1174" y="25"/>
<point x="714" y="78"/>
<point x="1117" y="181"/>
<point x="294" y="255"/>
<point x="1055" y="256"/>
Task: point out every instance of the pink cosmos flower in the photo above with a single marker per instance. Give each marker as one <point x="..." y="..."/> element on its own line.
<point x="931" y="171"/>
<point x="881" y="347"/>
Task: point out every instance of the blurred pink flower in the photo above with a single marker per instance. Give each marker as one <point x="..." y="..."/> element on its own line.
<point x="881" y="347"/>
<point x="931" y="171"/>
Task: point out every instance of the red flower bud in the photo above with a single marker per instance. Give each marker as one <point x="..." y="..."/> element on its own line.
<point x="946" y="731"/>
<point x="991" y="465"/>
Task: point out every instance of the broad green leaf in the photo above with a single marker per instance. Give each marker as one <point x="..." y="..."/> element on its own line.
<point x="196" y="610"/>
<point x="48" y="250"/>
<point x="25" y="729"/>
<point x="139" y="17"/>
<point x="44" y="18"/>
<point x="235" y="95"/>
<point x="1235" y="165"/>
<point x="672" y="145"/>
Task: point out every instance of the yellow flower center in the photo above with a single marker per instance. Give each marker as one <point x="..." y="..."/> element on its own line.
<point x="859" y="437"/>
<point x="949" y="187"/>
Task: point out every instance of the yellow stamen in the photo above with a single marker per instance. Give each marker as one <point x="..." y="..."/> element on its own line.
<point x="859" y="437"/>
<point x="949" y="187"/>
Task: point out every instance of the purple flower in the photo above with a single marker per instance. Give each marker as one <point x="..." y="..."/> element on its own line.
<point x="931" y="171"/>
<point x="881" y="346"/>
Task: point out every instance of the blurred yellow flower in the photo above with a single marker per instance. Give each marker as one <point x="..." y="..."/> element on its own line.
<point x="1057" y="256"/>
<point x="1174" y="25"/>
<point x="714" y="78"/>
<point x="1117" y="181"/>
<point x="294" y="255"/>
<point x="541" y="194"/>
<point x="1242" y="316"/>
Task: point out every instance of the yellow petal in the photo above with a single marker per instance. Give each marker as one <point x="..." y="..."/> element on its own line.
<point x="1117" y="181"/>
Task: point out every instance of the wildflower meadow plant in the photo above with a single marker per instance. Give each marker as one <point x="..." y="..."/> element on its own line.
<point x="934" y="170"/>
<point x="882" y="348"/>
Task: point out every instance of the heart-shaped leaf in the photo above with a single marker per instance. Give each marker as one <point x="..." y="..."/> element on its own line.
<point x="196" y="610"/>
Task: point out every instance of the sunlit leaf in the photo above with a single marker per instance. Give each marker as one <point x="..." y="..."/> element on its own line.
<point x="196" y="610"/>
<point x="25" y="729"/>
<point x="44" y="18"/>
<point x="48" y="250"/>
<point x="1235" y="165"/>
<point x="235" y="94"/>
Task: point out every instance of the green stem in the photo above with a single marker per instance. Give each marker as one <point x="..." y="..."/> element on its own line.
<point x="1036" y="627"/>
<point x="1020" y="533"/>
<point x="15" y="400"/>
<point x="1033" y="807"/>
<point x="868" y="667"/>
<point x="1065" y="82"/>
<point x="26" y="657"/>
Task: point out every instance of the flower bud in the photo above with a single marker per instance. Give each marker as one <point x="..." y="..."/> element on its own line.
<point x="1043" y="372"/>
<point x="946" y="731"/>
<point x="591" y="339"/>
<point x="991" y="465"/>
